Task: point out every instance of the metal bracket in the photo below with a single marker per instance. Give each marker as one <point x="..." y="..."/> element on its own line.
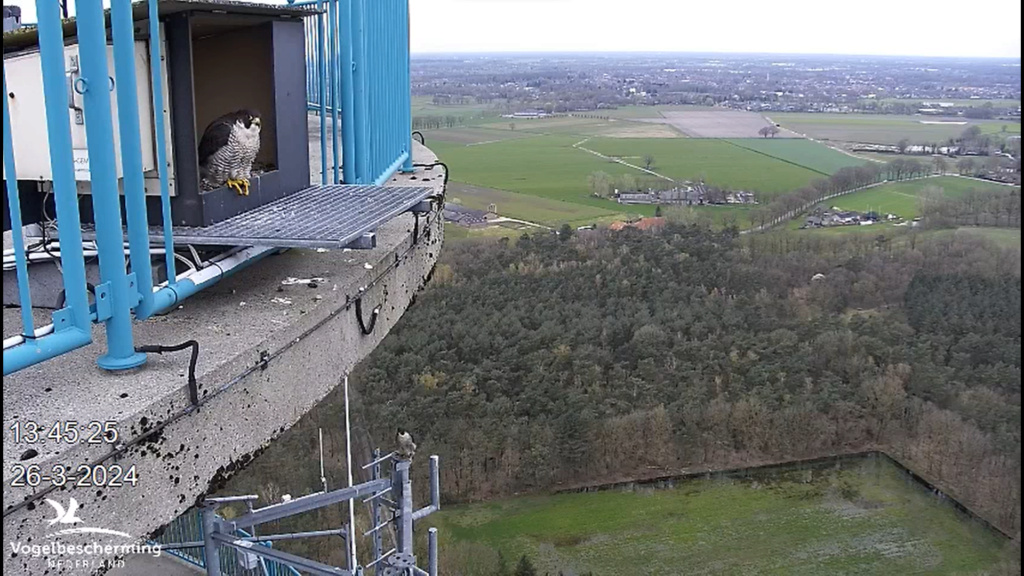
<point x="132" y="287"/>
<point x="367" y="241"/>
<point x="423" y="207"/>
<point x="103" y="298"/>
<point x="71" y="77"/>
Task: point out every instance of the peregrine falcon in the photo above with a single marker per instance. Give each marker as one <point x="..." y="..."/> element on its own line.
<point x="228" y="149"/>
<point x="406" y="447"/>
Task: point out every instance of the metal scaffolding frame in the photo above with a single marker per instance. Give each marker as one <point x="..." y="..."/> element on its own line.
<point x="399" y="561"/>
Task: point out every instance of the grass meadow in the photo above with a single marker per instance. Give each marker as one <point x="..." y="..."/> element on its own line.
<point x="884" y="128"/>
<point x="864" y="518"/>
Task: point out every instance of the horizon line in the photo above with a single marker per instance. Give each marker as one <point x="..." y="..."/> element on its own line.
<point x="695" y="52"/>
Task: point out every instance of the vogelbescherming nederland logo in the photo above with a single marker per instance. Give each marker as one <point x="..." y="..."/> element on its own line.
<point x="82" y="555"/>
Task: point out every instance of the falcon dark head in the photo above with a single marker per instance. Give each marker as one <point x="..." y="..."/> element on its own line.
<point x="247" y="117"/>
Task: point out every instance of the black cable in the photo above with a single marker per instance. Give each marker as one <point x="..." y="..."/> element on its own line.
<point x="193" y="388"/>
<point x="261" y="364"/>
<point x="432" y="164"/>
<point x="422" y="139"/>
<point x="373" y="316"/>
<point x="444" y="189"/>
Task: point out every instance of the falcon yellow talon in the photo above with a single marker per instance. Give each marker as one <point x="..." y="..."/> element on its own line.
<point x="236" y="185"/>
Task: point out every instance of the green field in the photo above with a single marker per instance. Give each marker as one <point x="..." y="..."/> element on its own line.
<point x="525" y="207"/>
<point x="804" y="153"/>
<point x="902" y="198"/>
<point x="1002" y="237"/>
<point x="545" y="166"/>
<point x="998" y="103"/>
<point x="584" y="127"/>
<point x="882" y="128"/>
<point x="719" y="162"/>
<point x="865" y="518"/>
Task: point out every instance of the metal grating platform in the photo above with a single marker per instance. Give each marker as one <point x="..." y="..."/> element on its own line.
<point x="334" y="216"/>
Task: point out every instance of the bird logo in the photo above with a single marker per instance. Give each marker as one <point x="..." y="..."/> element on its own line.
<point x="69" y="516"/>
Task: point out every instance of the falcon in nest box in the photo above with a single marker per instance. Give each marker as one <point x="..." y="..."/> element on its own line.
<point x="228" y="149"/>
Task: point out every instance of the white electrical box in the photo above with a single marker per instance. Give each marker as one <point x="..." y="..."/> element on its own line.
<point x="28" y="116"/>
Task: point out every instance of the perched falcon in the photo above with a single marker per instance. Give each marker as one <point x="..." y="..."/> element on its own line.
<point x="228" y="149"/>
<point x="406" y="448"/>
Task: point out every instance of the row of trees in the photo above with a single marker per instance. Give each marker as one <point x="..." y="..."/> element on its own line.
<point x="845" y="179"/>
<point x="551" y="362"/>
<point x="604" y="357"/>
<point x="436" y="122"/>
<point x="974" y="208"/>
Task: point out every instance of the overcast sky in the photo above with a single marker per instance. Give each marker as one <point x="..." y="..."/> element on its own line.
<point x="896" y="27"/>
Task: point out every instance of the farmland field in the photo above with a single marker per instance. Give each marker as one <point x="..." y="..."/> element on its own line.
<point x="582" y="126"/>
<point x="718" y="161"/>
<point x="1003" y="237"/>
<point x="524" y="207"/>
<point x="864" y="517"/>
<point x="802" y="152"/>
<point x="884" y="128"/>
<point x="901" y="198"/>
<point x="472" y="135"/>
<point x="546" y="166"/>
<point x="718" y="123"/>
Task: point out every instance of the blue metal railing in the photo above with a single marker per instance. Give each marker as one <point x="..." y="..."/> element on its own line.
<point x="189" y="528"/>
<point x="357" y="72"/>
<point x="121" y="293"/>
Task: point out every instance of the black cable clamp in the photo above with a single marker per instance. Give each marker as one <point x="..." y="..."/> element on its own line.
<point x="193" y="388"/>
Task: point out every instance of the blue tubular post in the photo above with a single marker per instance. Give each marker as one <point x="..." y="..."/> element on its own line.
<point x="65" y="193"/>
<point x="332" y="32"/>
<point x="162" y="166"/>
<point x="359" y="78"/>
<point x="345" y="80"/>
<point x="406" y="86"/>
<point x="28" y="328"/>
<point x="375" y="71"/>
<point x="58" y="126"/>
<point x="94" y="85"/>
<point x="334" y="49"/>
<point x="71" y="325"/>
<point x="123" y="31"/>
<point x="322" y="75"/>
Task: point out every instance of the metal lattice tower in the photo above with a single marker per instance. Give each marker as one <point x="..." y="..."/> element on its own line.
<point x="399" y="561"/>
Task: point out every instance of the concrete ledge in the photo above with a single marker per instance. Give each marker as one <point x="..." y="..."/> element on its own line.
<point x="268" y="353"/>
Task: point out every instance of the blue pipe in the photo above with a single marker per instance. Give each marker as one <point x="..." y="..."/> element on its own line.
<point x="391" y="169"/>
<point x="334" y="19"/>
<point x="162" y="166"/>
<point x="94" y="85"/>
<point x="28" y="327"/>
<point x="169" y="296"/>
<point x="40" y="349"/>
<point x="359" y="78"/>
<point x="406" y="88"/>
<point x="348" y="97"/>
<point x="65" y="193"/>
<point x="123" y="31"/>
<point x="322" y="76"/>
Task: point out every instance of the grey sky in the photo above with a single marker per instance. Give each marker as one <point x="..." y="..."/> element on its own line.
<point x="899" y="27"/>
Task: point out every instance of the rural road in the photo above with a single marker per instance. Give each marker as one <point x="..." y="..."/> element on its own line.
<point x="579" y="146"/>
